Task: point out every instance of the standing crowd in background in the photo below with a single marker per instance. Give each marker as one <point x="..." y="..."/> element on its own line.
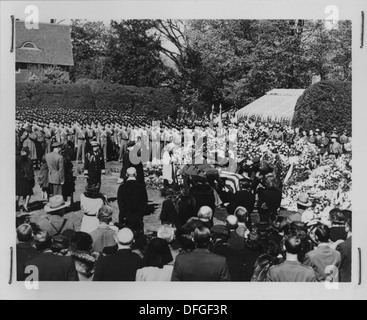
<point x="256" y="241"/>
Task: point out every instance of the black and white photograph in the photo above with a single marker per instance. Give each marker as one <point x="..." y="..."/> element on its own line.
<point x="165" y="150"/>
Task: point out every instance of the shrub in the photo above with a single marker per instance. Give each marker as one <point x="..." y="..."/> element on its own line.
<point x="325" y="105"/>
<point x="89" y="94"/>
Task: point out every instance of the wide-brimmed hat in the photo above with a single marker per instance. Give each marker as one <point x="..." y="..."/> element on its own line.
<point x="94" y="144"/>
<point x="57" y="145"/>
<point x="303" y="200"/>
<point x="334" y="135"/>
<point x="56" y="203"/>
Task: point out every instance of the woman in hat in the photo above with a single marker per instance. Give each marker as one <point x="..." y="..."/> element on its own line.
<point x="81" y="252"/>
<point x="28" y="139"/>
<point x="90" y="203"/>
<point x="43" y="180"/>
<point x="24" y="178"/>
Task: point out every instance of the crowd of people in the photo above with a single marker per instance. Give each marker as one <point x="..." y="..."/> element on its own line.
<point x="257" y="241"/>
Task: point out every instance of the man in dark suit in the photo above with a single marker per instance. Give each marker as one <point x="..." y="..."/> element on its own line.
<point x="132" y="198"/>
<point x="345" y="249"/>
<point x="50" y="267"/>
<point x="25" y="250"/>
<point x="132" y="159"/>
<point x="200" y="264"/>
<point x="243" y="198"/>
<point x="55" y="164"/>
<point x="121" y="266"/>
<point x="235" y="241"/>
<point x="324" y="258"/>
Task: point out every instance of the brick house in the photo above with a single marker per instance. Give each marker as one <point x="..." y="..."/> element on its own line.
<point x="50" y="45"/>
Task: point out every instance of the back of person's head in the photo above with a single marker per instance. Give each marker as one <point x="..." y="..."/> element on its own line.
<point x="232" y="222"/>
<point x="293" y="244"/>
<point x="25" y="233"/>
<point x="253" y="241"/>
<point x="202" y="237"/>
<point x="42" y="241"/>
<point x="241" y="214"/>
<point x="339" y="219"/>
<point x="220" y="232"/>
<point x="323" y="233"/>
<point x="190" y="226"/>
<point x="333" y="213"/>
<point x="131" y="172"/>
<point x="205" y="213"/>
<point x="105" y="214"/>
<point x="125" y="237"/>
<point x="81" y="241"/>
<point x="60" y="244"/>
<point x="166" y="232"/>
<point x="271" y="248"/>
<point x="269" y="181"/>
<point x="157" y="253"/>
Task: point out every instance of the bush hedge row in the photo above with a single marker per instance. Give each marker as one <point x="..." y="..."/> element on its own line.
<point x="96" y="94"/>
<point x="325" y="105"/>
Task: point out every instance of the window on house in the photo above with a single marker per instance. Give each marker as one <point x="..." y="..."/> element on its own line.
<point x="29" y="45"/>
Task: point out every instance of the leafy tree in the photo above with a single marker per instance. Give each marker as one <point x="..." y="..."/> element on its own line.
<point x="325" y="105"/>
<point x="134" y="54"/>
<point x="51" y="75"/>
<point x="90" y="41"/>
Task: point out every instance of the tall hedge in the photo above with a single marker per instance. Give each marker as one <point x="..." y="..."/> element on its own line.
<point x="29" y="94"/>
<point x="90" y="94"/>
<point x="325" y="105"/>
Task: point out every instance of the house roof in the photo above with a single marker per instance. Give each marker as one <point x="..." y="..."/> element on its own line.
<point x="52" y="41"/>
<point x="276" y="106"/>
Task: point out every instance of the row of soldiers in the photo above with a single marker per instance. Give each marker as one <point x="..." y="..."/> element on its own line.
<point x="113" y="138"/>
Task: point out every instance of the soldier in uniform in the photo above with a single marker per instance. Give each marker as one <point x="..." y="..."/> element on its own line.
<point x="335" y="148"/>
<point x="94" y="165"/>
<point x="312" y="138"/>
<point x="318" y="137"/>
<point x="80" y="142"/>
<point x="124" y="140"/>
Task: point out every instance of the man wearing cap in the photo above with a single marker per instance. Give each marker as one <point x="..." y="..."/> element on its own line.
<point x="55" y="164"/>
<point x="80" y="141"/>
<point x="55" y="223"/>
<point x="335" y="148"/>
<point x="124" y="134"/>
<point x="343" y="139"/>
<point x="121" y="266"/>
<point x="94" y="164"/>
<point x="132" y="198"/>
